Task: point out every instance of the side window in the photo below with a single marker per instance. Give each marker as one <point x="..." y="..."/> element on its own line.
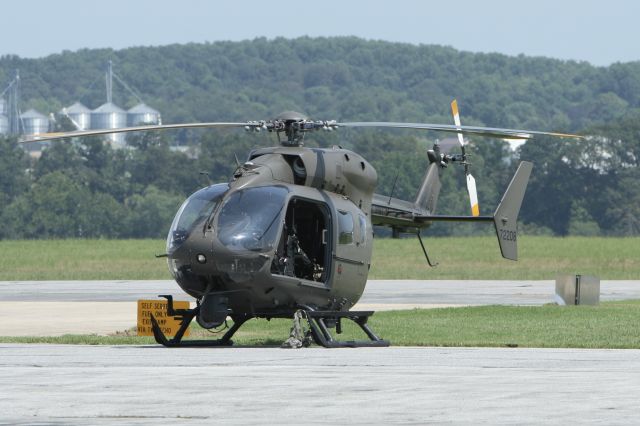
<point x="363" y="228"/>
<point x="345" y="227"/>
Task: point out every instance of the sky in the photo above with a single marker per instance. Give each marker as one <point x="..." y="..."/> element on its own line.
<point x="600" y="32"/>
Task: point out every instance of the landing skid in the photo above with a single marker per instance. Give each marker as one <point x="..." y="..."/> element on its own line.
<point x="319" y="324"/>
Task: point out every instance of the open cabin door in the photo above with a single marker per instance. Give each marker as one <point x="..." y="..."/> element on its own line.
<point x="304" y="248"/>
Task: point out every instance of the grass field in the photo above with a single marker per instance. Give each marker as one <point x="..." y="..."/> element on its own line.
<point x="610" y="325"/>
<point x="459" y="258"/>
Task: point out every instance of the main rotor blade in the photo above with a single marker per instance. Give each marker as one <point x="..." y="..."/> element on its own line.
<point x="61" y="135"/>
<point x="472" y="130"/>
<point x="276" y="126"/>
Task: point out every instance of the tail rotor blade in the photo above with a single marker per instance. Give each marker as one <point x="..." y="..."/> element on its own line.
<point x="456" y="120"/>
<point x="473" y="195"/>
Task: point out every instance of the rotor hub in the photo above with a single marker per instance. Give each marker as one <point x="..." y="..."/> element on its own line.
<point x="293" y="124"/>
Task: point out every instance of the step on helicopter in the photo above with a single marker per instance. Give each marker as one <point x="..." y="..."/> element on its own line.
<point x="291" y="234"/>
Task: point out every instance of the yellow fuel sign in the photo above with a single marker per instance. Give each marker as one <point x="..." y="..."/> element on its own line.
<point x="168" y="325"/>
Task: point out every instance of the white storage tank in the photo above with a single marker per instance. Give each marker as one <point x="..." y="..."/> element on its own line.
<point x="142" y="114"/>
<point x="34" y="122"/>
<point x="79" y="114"/>
<point x="110" y="116"/>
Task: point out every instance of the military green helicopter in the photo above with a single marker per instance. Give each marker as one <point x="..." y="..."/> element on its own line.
<point x="291" y="234"/>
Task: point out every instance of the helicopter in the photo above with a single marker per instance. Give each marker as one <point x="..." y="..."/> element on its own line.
<point x="290" y="235"/>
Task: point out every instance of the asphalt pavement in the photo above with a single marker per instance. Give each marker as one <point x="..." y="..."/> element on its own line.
<point x="95" y="385"/>
<point x="418" y="292"/>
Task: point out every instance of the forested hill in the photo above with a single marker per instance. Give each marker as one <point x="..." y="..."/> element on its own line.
<point x="88" y="189"/>
<point x="343" y="78"/>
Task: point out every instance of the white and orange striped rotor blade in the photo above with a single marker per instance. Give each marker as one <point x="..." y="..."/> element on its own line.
<point x="471" y="182"/>
<point x="456" y="120"/>
<point x="473" y="195"/>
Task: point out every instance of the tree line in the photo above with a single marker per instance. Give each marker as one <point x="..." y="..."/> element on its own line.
<point x="85" y="188"/>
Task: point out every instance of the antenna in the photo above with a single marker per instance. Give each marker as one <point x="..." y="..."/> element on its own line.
<point x="393" y="188"/>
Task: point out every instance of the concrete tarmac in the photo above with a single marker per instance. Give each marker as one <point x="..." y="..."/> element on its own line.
<point x="407" y="292"/>
<point x="87" y="385"/>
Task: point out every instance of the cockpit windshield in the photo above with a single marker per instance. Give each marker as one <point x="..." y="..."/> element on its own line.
<point x="194" y="210"/>
<point x="250" y="218"/>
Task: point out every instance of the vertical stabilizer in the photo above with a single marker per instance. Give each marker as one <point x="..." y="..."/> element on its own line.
<point x="506" y="215"/>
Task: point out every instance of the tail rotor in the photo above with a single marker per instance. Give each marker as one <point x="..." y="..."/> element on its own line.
<point x="471" y="182"/>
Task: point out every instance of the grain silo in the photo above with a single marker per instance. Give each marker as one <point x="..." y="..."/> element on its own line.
<point x="34" y="122"/>
<point x="142" y="114"/>
<point x="79" y="115"/>
<point x="110" y="116"/>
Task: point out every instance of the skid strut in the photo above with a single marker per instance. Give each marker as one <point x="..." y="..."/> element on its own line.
<point x="321" y="321"/>
<point x="185" y="316"/>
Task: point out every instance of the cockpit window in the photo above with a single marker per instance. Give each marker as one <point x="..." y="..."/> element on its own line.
<point x="250" y="218"/>
<point x="197" y="208"/>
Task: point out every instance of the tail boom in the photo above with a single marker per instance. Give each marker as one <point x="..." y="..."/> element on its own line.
<point x="506" y="214"/>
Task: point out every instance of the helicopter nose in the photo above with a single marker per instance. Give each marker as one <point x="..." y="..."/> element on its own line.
<point x="194" y="268"/>
<point x="184" y="267"/>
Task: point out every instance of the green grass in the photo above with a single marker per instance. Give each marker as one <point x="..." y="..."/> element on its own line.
<point x="75" y="259"/>
<point x="610" y="325"/>
<point x="540" y="258"/>
<point x="459" y="258"/>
